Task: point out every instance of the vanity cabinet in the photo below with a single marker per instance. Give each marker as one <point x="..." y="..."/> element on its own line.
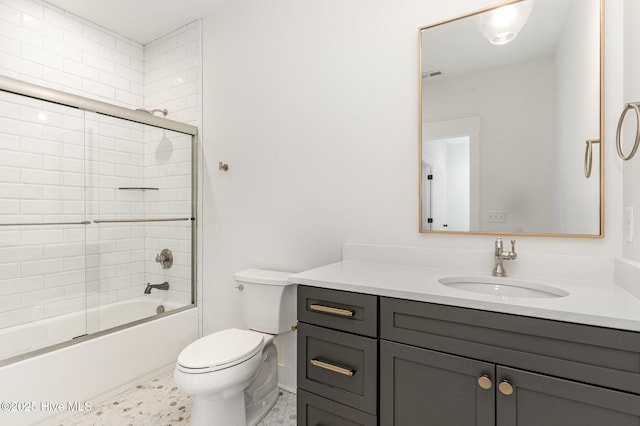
<point x="457" y="366"/>
<point x="373" y="360"/>
<point x="337" y="358"/>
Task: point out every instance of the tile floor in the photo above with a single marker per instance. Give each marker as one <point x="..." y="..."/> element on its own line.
<point x="158" y="402"/>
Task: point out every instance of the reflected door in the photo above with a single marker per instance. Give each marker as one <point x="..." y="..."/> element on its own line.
<point x="451" y="183"/>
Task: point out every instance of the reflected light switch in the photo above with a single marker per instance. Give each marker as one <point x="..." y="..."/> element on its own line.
<point x="494" y="216"/>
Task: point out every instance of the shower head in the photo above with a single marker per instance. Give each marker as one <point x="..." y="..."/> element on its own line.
<point x="164" y="112"/>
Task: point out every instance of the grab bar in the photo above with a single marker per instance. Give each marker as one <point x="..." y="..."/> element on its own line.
<point x="84" y="222"/>
<point x="627" y="107"/>
<point x="588" y="157"/>
<point x="163" y="219"/>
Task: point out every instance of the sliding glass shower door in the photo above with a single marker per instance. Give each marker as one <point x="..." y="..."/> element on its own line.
<point x="92" y="206"/>
<point x="43" y="220"/>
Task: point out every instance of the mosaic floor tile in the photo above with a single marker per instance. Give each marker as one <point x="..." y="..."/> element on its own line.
<point x="158" y="402"/>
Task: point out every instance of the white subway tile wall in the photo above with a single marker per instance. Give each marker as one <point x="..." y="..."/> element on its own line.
<point x="59" y="164"/>
<point x="45" y="45"/>
<point x="172" y="80"/>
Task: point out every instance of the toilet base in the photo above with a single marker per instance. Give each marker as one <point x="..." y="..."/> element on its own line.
<point x="262" y="394"/>
<point x="228" y="411"/>
<point x="257" y="412"/>
<point x="232" y="411"/>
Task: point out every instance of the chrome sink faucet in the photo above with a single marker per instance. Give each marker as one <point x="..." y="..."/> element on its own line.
<point x="500" y="255"/>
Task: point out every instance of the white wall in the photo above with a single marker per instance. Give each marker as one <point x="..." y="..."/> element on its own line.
<point x="631" y="94"/>
<point x="314" y="106"/>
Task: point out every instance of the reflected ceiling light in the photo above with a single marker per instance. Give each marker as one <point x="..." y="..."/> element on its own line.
<point x="502" y="25"/>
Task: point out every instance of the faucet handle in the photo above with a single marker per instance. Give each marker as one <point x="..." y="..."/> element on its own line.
<point x="513" y="255"/>
<point x="165" y="258"/>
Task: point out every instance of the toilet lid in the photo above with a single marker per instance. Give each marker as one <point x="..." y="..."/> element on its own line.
<point x="220" y="350"/>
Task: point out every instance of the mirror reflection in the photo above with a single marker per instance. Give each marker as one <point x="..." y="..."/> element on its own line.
<point x="509" y="97"/>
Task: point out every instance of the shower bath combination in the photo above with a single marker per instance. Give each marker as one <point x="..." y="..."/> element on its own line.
<point x="87" y="199"/>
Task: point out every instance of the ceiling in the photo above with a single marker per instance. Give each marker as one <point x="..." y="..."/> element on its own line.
<point x="140" y="20"/>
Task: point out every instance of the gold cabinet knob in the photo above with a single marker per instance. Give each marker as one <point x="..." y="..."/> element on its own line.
<point x="484" y="382"/>
<point x="505" y="387"/>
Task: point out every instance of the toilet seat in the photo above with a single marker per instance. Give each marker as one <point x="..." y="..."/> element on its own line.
<point x="220" y="350"/>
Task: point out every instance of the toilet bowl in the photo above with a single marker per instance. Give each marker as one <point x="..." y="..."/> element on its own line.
<point x="233" y="373"/>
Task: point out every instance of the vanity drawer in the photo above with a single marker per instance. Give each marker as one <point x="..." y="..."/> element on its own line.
<point x="340" y="310"/>
<point x="596" y="355"/>
<point x="314" y="410"/>
<point x="338" y="366"/>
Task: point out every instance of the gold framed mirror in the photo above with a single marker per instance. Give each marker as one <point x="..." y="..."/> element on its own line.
<point x="509" y="119"/>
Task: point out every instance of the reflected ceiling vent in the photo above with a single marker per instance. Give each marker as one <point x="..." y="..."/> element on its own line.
<point x="431" y="74"/>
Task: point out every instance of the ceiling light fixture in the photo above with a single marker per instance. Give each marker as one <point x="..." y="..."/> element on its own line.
<point x="502" y="25"/>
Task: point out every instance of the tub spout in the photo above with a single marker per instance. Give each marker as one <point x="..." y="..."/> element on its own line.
<point x="163" y="286"/>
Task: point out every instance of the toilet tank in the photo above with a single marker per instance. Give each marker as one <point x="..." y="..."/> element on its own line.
<point x="268" y="300"/>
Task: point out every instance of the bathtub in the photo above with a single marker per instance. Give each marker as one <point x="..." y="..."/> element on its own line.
<point x="48" y="332"/>
<point x="75" y="377"/>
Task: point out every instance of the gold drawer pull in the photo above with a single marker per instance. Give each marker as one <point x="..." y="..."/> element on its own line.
<point x="330" y="310"/>
<point x="331" y="367"/>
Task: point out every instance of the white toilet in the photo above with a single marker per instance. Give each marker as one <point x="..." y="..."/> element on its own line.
<point x="233" y="373"/>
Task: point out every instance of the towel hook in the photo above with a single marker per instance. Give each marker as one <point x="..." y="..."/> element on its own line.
<point x="588" y="157"/>
<point x="627" y="107"/>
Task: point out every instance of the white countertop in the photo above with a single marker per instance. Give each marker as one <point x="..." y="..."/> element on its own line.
<point x="595" y="303"/>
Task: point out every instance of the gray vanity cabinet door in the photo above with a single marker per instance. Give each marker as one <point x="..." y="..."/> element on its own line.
<point x="423" y="387"/>
<point x="542" y="400"/>
<point x="313" y="410"/>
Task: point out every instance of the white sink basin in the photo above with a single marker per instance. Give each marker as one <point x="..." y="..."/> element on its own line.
<point x="502" y="287"/>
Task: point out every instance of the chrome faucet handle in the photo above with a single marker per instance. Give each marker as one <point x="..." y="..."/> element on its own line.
<point x="513" y="255"/>
<point x="165" y="258"/>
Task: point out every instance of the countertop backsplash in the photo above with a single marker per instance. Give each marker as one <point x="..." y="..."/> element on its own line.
<point x="528" y="264"/>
